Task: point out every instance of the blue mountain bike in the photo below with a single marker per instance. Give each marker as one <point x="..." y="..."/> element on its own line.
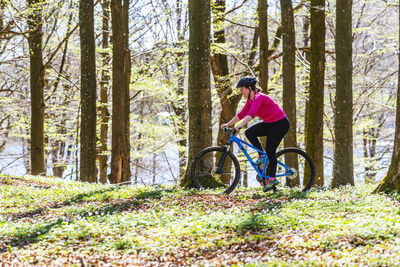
<point x="217" y="166"/>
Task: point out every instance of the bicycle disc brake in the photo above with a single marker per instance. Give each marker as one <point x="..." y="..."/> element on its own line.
<point x="293" y="175"/>
<point x="216" y="176"/>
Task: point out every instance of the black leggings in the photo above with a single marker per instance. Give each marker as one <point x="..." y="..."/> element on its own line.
<point x="275" y="131"/>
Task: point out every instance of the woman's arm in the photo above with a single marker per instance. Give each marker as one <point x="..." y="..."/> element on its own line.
<point x="245" y="121"/>
<point x="231" y="122"/>
<point x="244" y="110"/>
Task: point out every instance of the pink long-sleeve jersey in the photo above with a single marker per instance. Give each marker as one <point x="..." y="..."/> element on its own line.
<point x="264" y="107"/>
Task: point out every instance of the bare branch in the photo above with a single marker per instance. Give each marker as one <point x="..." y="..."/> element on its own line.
<point x="235" y="8"/>
<point x="59" y="47"/>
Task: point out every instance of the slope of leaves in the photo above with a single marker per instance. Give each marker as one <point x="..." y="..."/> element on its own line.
<point x="54" y="222"/>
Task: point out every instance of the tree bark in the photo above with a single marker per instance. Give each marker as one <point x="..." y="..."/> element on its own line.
<point x="3" y="5"/>
<point x="220" y="70"/>
<point x="37" y="86"/>
<point x="127" y="62"/>
<point x="104" y="87"/>
<point x="391" y="181"/>
<point x="179" y="105"/>
<point x="315" y="104"/>
<point x="263" y="31"/>
<point x="289" y="77"/>
<point x="137" y="160"/>
<point x="343" y="157"/>
<point x="253" y="52"/>
<point x="180" y="112"/>
<point x="119" y="153"/>
<point x="154" y="169"/>
<point x="58" y="147"/>
<point x="88" y="135"/>
<point x="199" y="92"/>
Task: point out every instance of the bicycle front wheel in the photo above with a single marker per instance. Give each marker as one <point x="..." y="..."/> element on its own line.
<point x="297" y="166"/>
<point x="205" y="174"/>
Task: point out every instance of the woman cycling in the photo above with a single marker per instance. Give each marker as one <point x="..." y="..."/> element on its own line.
<point x="274" y="124"/>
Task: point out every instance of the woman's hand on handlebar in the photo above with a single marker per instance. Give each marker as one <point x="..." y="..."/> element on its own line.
<point x="225" y="125"/>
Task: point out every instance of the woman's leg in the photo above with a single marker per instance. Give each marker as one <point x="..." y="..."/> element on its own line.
<point x="253" y="132"/>
<point x="276" y="132"/>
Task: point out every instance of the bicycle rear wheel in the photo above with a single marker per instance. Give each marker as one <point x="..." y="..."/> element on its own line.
<point x="204" y="170"/>
<point x="301" y="171"/>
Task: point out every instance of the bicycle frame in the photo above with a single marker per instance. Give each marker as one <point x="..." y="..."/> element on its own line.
<point x="234" y="139"/>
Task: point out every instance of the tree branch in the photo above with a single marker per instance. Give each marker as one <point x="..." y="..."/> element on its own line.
<point x="59" y="47"/>
<point x="235" y="8"/>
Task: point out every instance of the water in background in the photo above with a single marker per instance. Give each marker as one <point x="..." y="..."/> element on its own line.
<point x="167" y="167"/>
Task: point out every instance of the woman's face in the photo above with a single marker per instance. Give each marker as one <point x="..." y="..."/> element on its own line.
<point x="245" y="91"/>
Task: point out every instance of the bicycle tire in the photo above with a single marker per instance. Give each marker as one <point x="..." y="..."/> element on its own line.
<point x="306" y="159"/>
<point x="196" y="171"/>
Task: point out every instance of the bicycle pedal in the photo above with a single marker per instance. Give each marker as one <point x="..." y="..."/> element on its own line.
<point x="269" y="189"/>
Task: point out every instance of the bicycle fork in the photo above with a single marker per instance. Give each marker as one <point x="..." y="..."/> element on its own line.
<point x="223" y="157"/>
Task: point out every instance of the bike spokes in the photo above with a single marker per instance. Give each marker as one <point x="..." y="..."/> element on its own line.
<point x="209" y="171"/>
<point x="296" y="167"/>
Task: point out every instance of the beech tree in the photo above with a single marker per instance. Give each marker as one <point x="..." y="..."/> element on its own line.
<point x="120" y="138"/>
<point x="315" y="109"/>
<point x="127" y="74"/>
<point x="88" y="135"/>
<point x="104" y="88"/>
<point x="391" y="181"/>
<point x="289" y="76"/>
<point x="220" y="70"/>
<point x="37" y="85"/>
<point x="199" y="92"/>
<point x="179" y="106"/>
<point x="263" y="32"/>
<point x="343" y="158"/>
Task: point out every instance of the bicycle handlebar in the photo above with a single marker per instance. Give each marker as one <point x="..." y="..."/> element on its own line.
<point x="227" y="130"/>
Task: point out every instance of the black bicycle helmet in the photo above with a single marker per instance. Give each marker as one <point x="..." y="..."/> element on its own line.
<point x="247" y="81"/>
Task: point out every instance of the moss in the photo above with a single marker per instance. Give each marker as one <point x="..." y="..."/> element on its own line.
<point x="210" y="182"/>
<point x="205" y="182"/>
<point x="186" y="182"/>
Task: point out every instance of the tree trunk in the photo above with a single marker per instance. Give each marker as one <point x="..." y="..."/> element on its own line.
<point x="59" y="160"/>
<point x="139" y="146"/>
<point x="263" y="31"/>
<point x="180" y="113"/>
<point x="58" y="147"/>
<point x="245" y="175"/>
<point x="289" y="78"/>
<point x="199" y="92"/>
<point x="3" y="5"/>
<point x="179" y="105"/>
<point x="154" y="168"/>
<point x="253" y="52"/>
<point x="37" y="86"/>
<point x="104" y="86"/>
<point x="88" y="135"/>
<point x="343" y="167"/>
<point x="391" y="181"/>
<point x="119" y="153"/>
<point x="315" y="104"/>
<point x="220" y="70"/>
<point x="367" y="156"/>
<point x="127" y="62"/>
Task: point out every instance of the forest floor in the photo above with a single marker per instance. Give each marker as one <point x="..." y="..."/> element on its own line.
<point x="48" y="221"/>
